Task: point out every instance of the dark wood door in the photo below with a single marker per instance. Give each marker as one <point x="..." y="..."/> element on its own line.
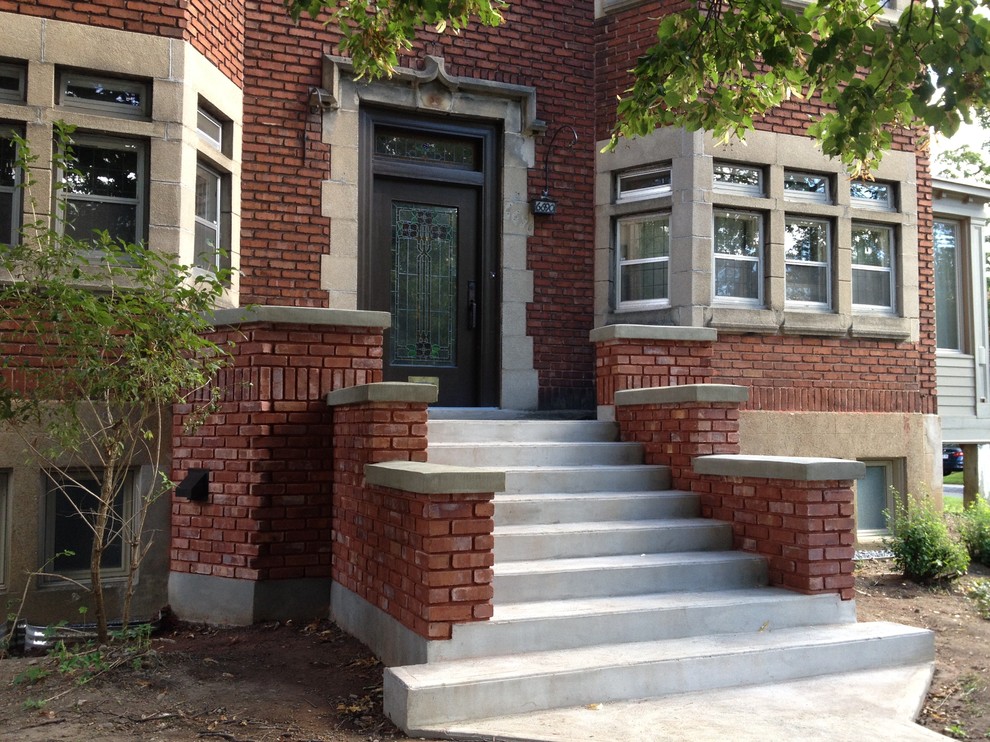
<point x="426" y="269"/>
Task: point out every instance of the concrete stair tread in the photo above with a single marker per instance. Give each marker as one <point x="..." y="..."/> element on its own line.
<point x="583" y="564"/>
<point x="598" y="495"/>
<point x="612" y="526"/>
<point x="564" y="661"/>
<point x="652" y="602"/>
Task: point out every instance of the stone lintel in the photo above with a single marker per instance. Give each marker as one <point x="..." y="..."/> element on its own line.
<point x="798" y="468"/>
<point x="383" y="391"/>
<point x="682" y="393"/>
<point x="301" y="316"/>
<point x="653" y="332"/>
<point x="434" y="479"/>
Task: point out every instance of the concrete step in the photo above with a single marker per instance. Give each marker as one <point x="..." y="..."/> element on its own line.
<point x="535" y="453"/>
<point x="420" y="696"/>
<point x="632" y="478"/>
<point x="513" y="510"/>
<point x="608" y="538"/>
<point x="578" y="622"/>
<point x="520" y="431"/>
<point x="561" y="579"/>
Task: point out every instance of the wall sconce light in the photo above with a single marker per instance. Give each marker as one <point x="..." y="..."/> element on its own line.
<point x="544" y="205"/>
<point x="196" y="486"/>
<point x="321" y="100"/>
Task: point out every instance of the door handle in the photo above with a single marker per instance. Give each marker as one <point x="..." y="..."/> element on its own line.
<point x="472" y="305"/>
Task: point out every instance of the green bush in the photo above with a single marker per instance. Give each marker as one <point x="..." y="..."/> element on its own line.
<point x="923" y="549"/>
<point x="974" y="527"/>
<point x="979" y="593"/>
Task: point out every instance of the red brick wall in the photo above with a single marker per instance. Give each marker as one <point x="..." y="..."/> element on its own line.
<point x="636" y="364"/>
<point x="216" y="30"/>
<point x="805" y="529"/>
<point x="267" y="449"/>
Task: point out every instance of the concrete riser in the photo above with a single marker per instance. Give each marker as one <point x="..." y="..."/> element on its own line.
<point x="630" y="579"/>
<point x="511" y="510"/>
<point x="416" y="710"/>
<point x="535" y="454"/>
<point x="521" y="431"/>
<point x="704" y="616"/>
<point x="704" y="536"/>
<point x="587" y="479"/>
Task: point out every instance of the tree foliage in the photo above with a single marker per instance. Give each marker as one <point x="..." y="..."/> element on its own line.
<point x="101" y="337"/>
<point x="721" y="65"/>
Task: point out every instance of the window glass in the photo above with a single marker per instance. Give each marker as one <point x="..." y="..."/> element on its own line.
<point x="10" y="192"/>
<point x="807" y="256"/>
<point x="210" y="128"/>
<point x="105" y="189"/>
<point x="644" y="256"/>
<point x="3" y="528"/>
<point x="738" y="179"/>
<point x="806" y="187"/>
<point x="427" y="149"/>
<point x="71" y="507"/>
<point x="643" y="184"/>
<point x="870" y="195"/>
<point x="873" y="498"/>
<point x="109" y="96"/>
<point x="12" y="82"/>
<point x="873" y="267"/>
<point x="738" y="256"/>
<point x="209" y="232"/>
<point x="949" y="290"/>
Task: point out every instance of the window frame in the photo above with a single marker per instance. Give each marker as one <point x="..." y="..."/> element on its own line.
<point x="620" y="303"/>
<point x="808" y="196"/>
<point x="860" y="202"/>
<point x="140" y="201"/>
<point x="221" y="226"/>
<point x="105" y="108"/>
<point x="741" y="189"/>
<point x="760" y="259"/>
<point x="5" y="478"/>
<point x="19" y="73"/>
<point x="641" y="194"/>
<point x="14" y="192"/>
<point x="826" y="264"/>
<point x="961" y="293"/>
<point x="891" y="470"/>
<point x="217" y="143"/>
<point x="891" y="270"/>
<point x="111" y="572"/>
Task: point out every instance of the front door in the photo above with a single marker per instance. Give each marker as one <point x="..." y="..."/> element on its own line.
<point x="429" y="262"/>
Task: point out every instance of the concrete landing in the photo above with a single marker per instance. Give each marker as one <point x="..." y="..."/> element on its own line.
<point x="849" y="707"/>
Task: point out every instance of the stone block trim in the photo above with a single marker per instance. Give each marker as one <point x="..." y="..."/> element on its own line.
<point x="268" y="516"/>
<point x="805" y="529"/>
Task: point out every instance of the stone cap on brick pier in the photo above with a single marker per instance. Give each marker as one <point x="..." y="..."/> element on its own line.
<point x="383" y="391"/>
<point x="682" y="393"/>
<point x="434" y="479"/>
<point x="301" y="316"/>
<point x="797" y="468"/>
<point x="653" y="332"/>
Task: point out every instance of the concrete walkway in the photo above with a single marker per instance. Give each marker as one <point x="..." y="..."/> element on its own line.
<point x="852" y="707"/>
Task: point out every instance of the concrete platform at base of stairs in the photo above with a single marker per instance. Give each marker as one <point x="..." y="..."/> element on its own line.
<point x="850" y="707"/>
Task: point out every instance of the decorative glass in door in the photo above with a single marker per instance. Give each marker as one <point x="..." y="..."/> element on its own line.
<point x="424" y="285"/>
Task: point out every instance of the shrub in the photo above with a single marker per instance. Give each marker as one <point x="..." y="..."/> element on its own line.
<point x="923" y="549"/>
<point x="979" y="593"/>
<point x="974" y="527"/>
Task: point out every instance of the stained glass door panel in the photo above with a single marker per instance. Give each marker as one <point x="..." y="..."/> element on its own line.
<point x="424" y="285"/>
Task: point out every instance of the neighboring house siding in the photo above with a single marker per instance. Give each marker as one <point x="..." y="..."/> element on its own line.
<point x="956" y="385"/>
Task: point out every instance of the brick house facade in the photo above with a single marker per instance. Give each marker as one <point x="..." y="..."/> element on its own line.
<point x="298" y="157"/>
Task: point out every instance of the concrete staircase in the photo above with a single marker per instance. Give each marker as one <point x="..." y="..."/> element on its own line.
<point x="610" y="587"/>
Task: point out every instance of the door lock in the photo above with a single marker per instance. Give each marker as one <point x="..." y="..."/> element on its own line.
<point x="472" y="305"/>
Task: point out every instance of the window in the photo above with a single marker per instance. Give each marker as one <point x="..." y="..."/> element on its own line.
<point x="869" y="195"/>
<point x="739" y="179"/>
<point x="807" y="187"/>
<point x="211" y="221"/>
<point x="10" y="189"/>
<point x="874" y="498"/>
<point x="807" y="257"/>
<point x="102" y="95"/>
<point x="949" y="288"/>
<point x="12" y="82"/>
<point x="873" y="267"/>
<point x="71" y="505"/>
<point x="739" y="256"/>
<point x="3" y="528"/>
<point x="644" y="257"/>
<point x="106" y="189"/>
<point x="210" y="129"/>
<point x="642" y="184"/>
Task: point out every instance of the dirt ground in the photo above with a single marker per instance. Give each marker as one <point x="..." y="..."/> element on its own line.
<point x="293" y="683"/>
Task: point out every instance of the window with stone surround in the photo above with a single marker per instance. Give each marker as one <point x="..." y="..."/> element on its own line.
<point x="864" y="194"/>
<point x="875" y="497"/>
<point x="641" y="184"/>
<point x="738" y="271"/>
<point x="4" y="528"/>
<point x="10" y="189"/>
<point x="808" y="261"/>
<point x="808" y="187"/>
<point x="643" y="250"/>
<point x="13" y="82"/>
<point x="873" y="261"/>
<point x="744" y="180"/>
<point x="103" y="95"/>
